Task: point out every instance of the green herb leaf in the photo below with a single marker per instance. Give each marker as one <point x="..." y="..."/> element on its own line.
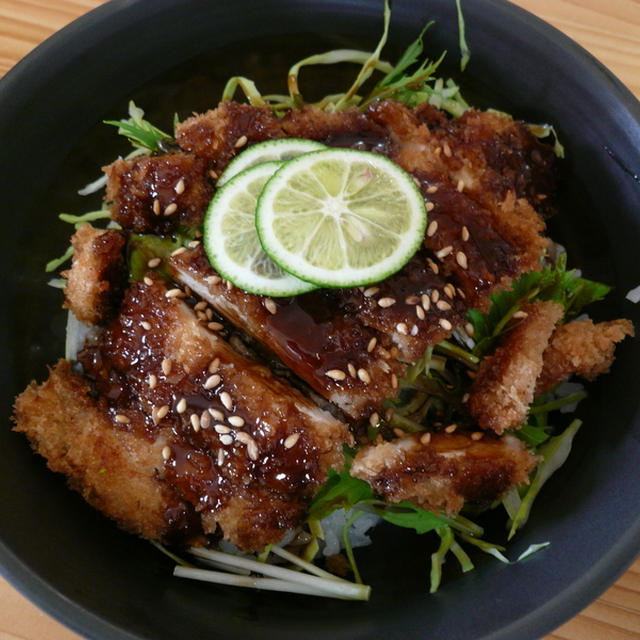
<point x="465" y="54"/>
<point x="140" y="132"/>
<point x="339" y="491"/>
<point x="406" y="515"/>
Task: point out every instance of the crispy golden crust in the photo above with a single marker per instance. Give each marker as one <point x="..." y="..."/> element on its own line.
<point x="583" y="348"/>
<point x="504" y="383"/>
<point x="115" y="470"/>
<point x="94" y="282"/>
<point x="156" y="193"/>
<point x="445" y="472"/>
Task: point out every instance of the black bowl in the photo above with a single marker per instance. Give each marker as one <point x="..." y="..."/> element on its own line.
<point x="174" y="56"/>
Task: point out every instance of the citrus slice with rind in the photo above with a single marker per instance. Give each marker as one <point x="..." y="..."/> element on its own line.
<point x="268" y="151"/>
<point x="340" y="217"/>
<point x="231" y="242"/>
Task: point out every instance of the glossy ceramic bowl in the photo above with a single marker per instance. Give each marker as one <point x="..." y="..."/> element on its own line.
<point x="174" y="56"/>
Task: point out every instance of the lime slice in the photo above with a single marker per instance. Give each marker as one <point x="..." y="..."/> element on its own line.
<point x="269" y="151"/>
<point x="340" y="217"/>
<point x="231" y="242"/>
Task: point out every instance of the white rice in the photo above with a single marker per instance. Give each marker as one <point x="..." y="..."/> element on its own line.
<point x="634" y="295"/>
<point x="332" y="528"/>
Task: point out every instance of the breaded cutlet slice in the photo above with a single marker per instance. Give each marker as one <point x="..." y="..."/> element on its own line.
<point x="440" y="472"/>
<point x="241" y="446"/>
<point x="582" y="348"/>
<point x="504" y="384"/>
<point x="96" y="277"/>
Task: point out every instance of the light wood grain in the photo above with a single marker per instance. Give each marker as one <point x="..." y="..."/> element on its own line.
<point x="609" y="29"/>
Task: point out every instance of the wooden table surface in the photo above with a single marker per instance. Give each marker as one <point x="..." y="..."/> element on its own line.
<point x="609" y="29"/>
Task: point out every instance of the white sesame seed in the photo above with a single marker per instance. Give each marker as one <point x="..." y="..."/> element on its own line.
<point x="252" y="450"/>
<point x="240" y="142"/>
<point x="153" y="381"/>
<point x="394" y="381"/>
<point x="211" y="280"/>
<point x="399" y="433"/>
<point x="194" y="419"/>
<point x="449" y="290"/>
<point x="450" y="428"/>
<point x="414" y="330"/>
<point x="199" y="306"/>
<point x="214" y="326"/>
<point x="435" y="296"/>
<point x="156" y="207"/>
<point x="401" y="328"/>
<point x="205" y="419"/>
<point x="433" y="266"/>
<point x="374" y="418"/>
<point x="226" y="439"/>
<point x="520" y="314"/>
<point x="122" y="419"/>
<point x="166" y="452"/>
<point x="194" y="244"/>
<point x="460" y="185"/>
<point x="181" y="407"/>
<point x="351" y="369"/>
<point x="447" y="149"/>
<point x="153" y="263"/>
<point x="214" y="365"/>
<point x="372" y="344"/>
<point x="411" y="300"/>
<point x="179" y="188"/>
<point x="420" y="312"/>
<point x="148" y="281"/>
<point x="270" y="306"/>
<point x="432" y="189"/>
<point x="162" y="411"/>
<point x="465" y="398"/>
<point x="335" y="374"/>
<point x="429" y="206"/>
<point x="432" y="228"/>
<point x="236" y="421"/>
<point x="172" y="208"/>
<point x="222" y="429"/>
<point x="461" y="293"/>
<point x="179" y="251"/>
<point x="244" y="437"/>
<point x="220" y="457"/>
<point x="212" y="174"/>
<point x="363" y="374"/>
<point x="208" y="313"/>
<point x="425" y="438"/>
<point x="291" y="440"/>
<point x="216" y="414"/>
<point x="174" y="293"/>
<point x="166" y="366"/>
<point x="386" y="302"/>
<point x="464" y="234"/>
<point x="426" y="303"/>
<point x="388" y="414"/>
<point x="212" y="381"/>
<point x="443" y="305"/>
<point x="444" y="252"/>
<point x="461" y="259"/>
<point x="370" y="291"/>
<point x="477" y="435"/>
<point x="445" y="324"/>
<point x="145" y="325"/>
<point x="226" y="400"/>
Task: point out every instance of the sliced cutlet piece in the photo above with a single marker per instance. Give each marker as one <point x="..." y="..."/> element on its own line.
<point x="219" y="134"/>
<point x="582" y="348"/>
<point x="416" y="307"/>
<point x="115" y="468"/>
<point x="504" y="384"/>
<point x="96" y="278"/>
<point x="314" y="335"/>
<point x="477" y="249"/>
<point x="154" y="194"/>
<point x="241" y="446"/>
<point x="440" y="472"/>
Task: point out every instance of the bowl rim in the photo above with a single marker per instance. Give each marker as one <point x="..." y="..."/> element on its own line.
<point x="81" y="620"/>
